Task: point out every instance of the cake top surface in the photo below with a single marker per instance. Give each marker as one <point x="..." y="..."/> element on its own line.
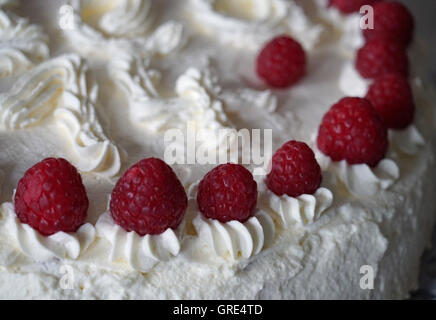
<point x="105" y="84"/>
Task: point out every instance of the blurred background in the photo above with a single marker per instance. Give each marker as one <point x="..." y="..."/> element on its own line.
<point x="425" y="18"/>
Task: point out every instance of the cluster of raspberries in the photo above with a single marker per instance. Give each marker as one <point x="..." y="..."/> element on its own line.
<point x="355" y="129"/>
<point x="149" y="198"/>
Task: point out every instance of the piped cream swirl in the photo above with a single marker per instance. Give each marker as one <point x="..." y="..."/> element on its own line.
<point x="263" y="100"/>
<point x="61" y="87"/>
<point x="197" y="104"/>
<point x="60" y="245"/>
<point x="346" y="26"/>
<point x="140" y="253"/>
<point x="251" y="23"/>
<point x="302" y="210"/>
<point x="122" y="26"/>
<point x="22" y="45"/>
<point x="129" y="18"/>
<point x="201" y="90"/>
<point x="235" y="240"/>
<point x="361" y="179"/>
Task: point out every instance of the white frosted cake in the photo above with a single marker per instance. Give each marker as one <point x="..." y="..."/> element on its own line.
<point x="101" y="83"/>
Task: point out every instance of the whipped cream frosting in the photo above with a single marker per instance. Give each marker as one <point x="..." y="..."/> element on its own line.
<point x="150" y="79"/>
<point x="351" y="83"/>
<point x="119" y="27"/>
<point x="361" y="179"/>
<point x="409" y="140"/>
<point x="60" y="87"/>
<point x="235" y="240"/>
<point x="59" y="245"/>
<point x="198" y="103"/>
<point x="22" y="45"/>
<point x="302" y="210"/>
<point x="248" y="24"/>
<point x="264" y="100"/>
<point x="140" y="253"/>
<point x="346" y="28"/>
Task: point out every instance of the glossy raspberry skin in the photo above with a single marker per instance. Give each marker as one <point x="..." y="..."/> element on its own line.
<point x="392" y="98"/>
<point x="228" y="193"/>
<point x="282" y="62"/>
<point x="148" y="198"/>
<point x="350" y="6"/>
<point x="51" y="197"/>
<point x="378" y="57"/>
<point x="352" y="130"/>
<point x="294" y="170"/>
<point x="392" y="22"/>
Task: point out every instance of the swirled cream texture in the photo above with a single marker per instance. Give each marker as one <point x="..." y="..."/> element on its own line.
<point x="117" y="27"/>
<point x="235" y="240"/>
<point x="249" y="23"/>
<point x="61" y="87"/>
<point x="198" y="103"/>
<point x="22" y="45"/>
<point x="140" y="253"/>
<point x="59" y="245"/>
<point x="361" y="179"/>
<point x="303" y="210"/>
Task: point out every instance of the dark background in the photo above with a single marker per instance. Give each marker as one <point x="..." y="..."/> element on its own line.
<point x="424" y="12"/>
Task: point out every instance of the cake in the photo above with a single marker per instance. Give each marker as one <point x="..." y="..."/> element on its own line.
<point x="104" y="84"/>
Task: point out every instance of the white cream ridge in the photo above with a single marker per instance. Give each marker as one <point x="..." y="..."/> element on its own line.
<point x="200" y="103"/>
<point x="61" y="87"/>
<point x="41" y="248"/>
<point x="197" y="99"/>
<point x="303" y="210"/>
<point x="141" y="253"/>
<point x="361" y="179"/>
<point x="122" y="26"/>
<point x="248" y="24"/>
<point x="22" y="45"/>
<point x="236" y="240"/>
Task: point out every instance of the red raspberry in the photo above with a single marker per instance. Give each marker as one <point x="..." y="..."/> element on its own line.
<point x="378" y="57"/>
<point x="352" y="130"/>
<point x="228" y="193"/>
<point x="148" y="198"/>
<point x="51" y="197"/>
<point x="392" y="97"/>
<point x="294" y="171"/>
<point x="392" y="22"/>
<point x="282" y="62"/>
<point x="350" y="6"/>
